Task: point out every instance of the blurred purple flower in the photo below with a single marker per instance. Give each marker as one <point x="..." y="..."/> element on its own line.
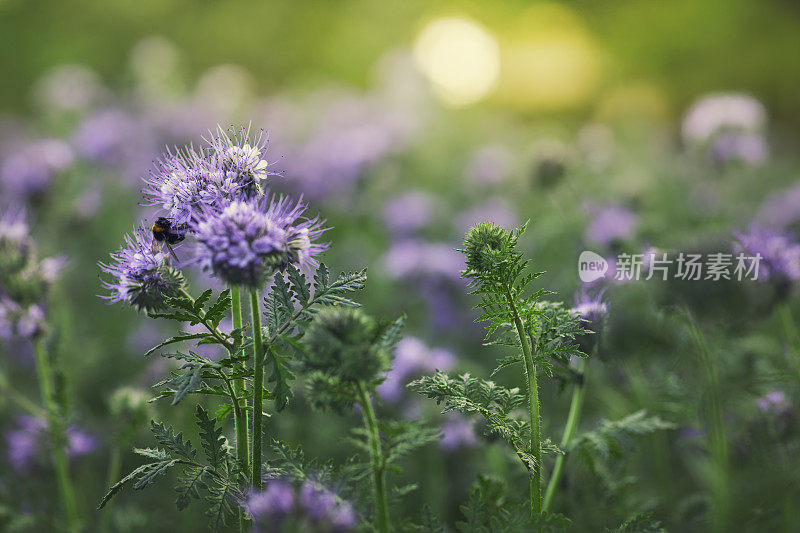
<point x="30" y="168"/>
<point x="411" y="258"/>
<point x="590" y="306"/>
<point x="18" y="322"/>
<point x="609" y="224"/>
<point x="779" y="251"/>
<point x="748" y="148"/>
<point x="496" y="210"/>
<point x="457" y="432"/>
<point x="271" y="504"/>
<point x="490" y="165"/>
<point x="412" y="356"/>
<point x="774" y="402"/>
<point x="407" y="213"/>
<point x="781" y="209"/>
<point x="105" y="135"/>
<point x="27" y="443"/>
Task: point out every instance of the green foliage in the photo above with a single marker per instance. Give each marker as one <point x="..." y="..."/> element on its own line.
<point x="216" y="482"/>
<point x="470" y="395"/>
<point x="610" y="437"/>
<point x="288" y="309"/>
<point x="641" y="523"/>
<point x="488" y="511"/>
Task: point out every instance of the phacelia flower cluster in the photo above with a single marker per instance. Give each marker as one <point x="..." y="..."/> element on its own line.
<point x="24" y="278"/>
<point x="26" y="444"/>
<point x="780" y="255"/>
<point x="247" y="241"/>
<point x="314" y="507"/>
<point x="141" y="277"/>
<point x="230" y="167"/>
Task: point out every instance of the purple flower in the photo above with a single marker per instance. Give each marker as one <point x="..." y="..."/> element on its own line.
<point x="241" y="157"/>
<point x="415" y="259"/>
<point x="246" y="242"/>
<point x="272" y="504"/>
<point x="80" y="442"/>
<point x="19" y="322"/>
<point x="324" y="507"/>
<point x="16" y="245"/>
<point x="407" y="213"/>
<point x="139" y="276"/>
<point x="186" y="182"/>
<point x="781" y="209"/>
<point x="609" y="224"/>
<point x="29" y="169"/>
<point x="750" y="148"/>
<point x="779" y="251"/>
<point x="774" y="402"/>
<point x="490" y="165"/>
<point x="412" y="356"/>
<point x="26" y="443"/>
<point x="496" y="210"/>
<point x="105" y="136"/>
<point x="23" y="443"/>
<point x="457" y="432"/>
<point x="590" y="307"/>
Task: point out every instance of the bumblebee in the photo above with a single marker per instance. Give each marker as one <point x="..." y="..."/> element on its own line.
<point x="165" y="234"/>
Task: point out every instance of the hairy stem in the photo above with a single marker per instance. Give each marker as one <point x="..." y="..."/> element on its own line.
<point x="114" y="465"/>
<point x="533" y="405"/>
<point x="376" y="457"/>
<point x="240" y="415"/>
<point x="258" y="386"/>
<point x="717" y="441"/>
<point x="569" y="431"/>
<point x="58" y="436"/>
<point x="790" y="330"/>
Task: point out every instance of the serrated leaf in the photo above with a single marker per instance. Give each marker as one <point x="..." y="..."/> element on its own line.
<point x="188" y="381"/>
<point x="174" y="443"/>
<point x="299" y="285"/>
<point x="189" y="485"/>
<point x="179" y="338"/>
<point x="211" y="436"/>
<point x="223" y="411"/>
<point x="219" y="309"/>
<point x="201" y="300"/>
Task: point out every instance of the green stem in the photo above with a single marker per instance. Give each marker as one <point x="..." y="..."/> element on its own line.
<point x="240" y="415"/>
<point x="20" y="400"/>
<point x="533" y="405"/>
<point x="569" y="431"/>
<point x="258" y="386"/>
<point x="114" y="465"/>
<point x="790" y="330"/>
<point x="58" y="436"/>
<point x="717" y="440"/>
<point x="376" y="456"/>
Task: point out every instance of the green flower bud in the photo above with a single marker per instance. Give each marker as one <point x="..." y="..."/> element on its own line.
<point x="486" y="247"/>
<point x="129" y="405"/>
<point x="343" y="342"/>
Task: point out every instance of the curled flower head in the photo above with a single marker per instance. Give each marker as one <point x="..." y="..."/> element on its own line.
<point x="140" y="276"/>
<point x="247" y="241"/>
<point x="780" y="255"/>
<point x="488" y="248"/>
<point x="343" y="342"/>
